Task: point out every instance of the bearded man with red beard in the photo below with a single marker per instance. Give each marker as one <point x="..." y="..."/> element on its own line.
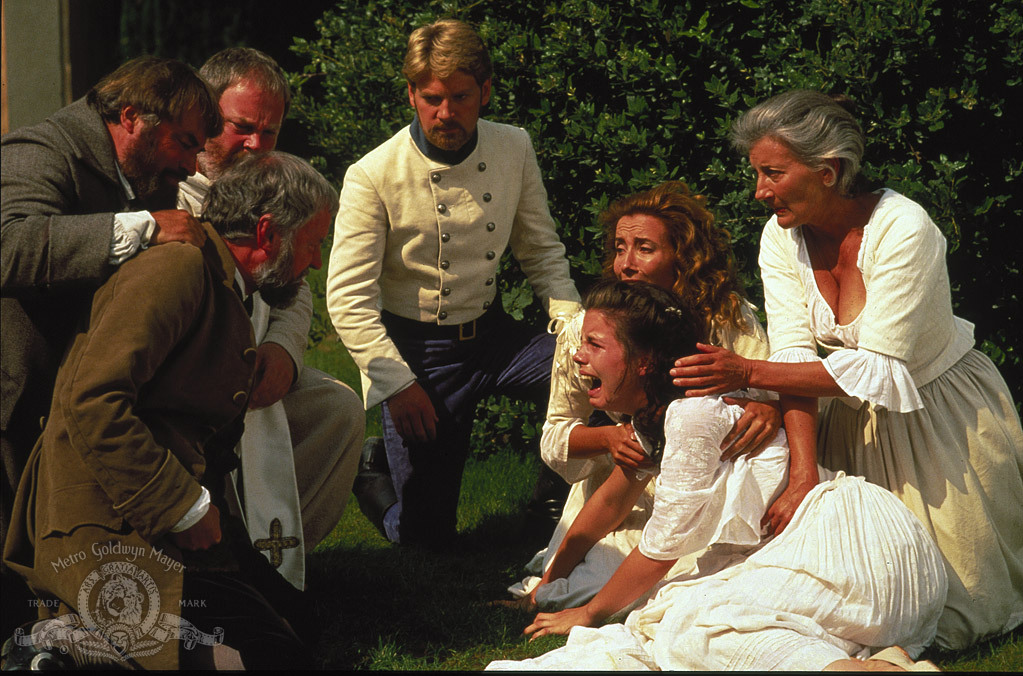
<point x="304" y="428"/>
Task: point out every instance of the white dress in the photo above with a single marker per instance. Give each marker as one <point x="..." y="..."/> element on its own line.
<point x="567" y="407"/>
<point x="931" y="419"/>
<point x="853" y="572"/>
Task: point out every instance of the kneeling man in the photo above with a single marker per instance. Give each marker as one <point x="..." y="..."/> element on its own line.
<point x="119" y="525"/>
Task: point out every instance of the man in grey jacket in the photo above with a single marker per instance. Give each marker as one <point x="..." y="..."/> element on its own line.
<point x="81" y="193"/>
<point x="411" y="288"/>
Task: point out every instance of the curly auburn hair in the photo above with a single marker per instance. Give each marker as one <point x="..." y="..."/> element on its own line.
<point x="705" y="275"/>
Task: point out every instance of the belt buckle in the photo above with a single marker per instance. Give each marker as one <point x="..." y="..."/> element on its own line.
<point x="461" y="331"/>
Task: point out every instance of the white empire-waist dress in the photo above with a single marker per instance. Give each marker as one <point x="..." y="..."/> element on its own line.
<point x="853" y="572"/>
<point x="569" y="406"/>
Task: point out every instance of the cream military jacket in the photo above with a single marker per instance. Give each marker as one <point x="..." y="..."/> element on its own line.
<point x="423" y="240"/>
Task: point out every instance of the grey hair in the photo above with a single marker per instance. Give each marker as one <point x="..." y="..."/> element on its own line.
<point x="230" y="65"/>
<point x="814" y="126"/>
<point x="275" y="183"/>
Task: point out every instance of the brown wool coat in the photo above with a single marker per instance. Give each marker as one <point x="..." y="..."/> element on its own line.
<point x="167" y="362"/>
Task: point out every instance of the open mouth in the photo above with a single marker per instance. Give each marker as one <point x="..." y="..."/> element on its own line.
<point x="593" y="386"/>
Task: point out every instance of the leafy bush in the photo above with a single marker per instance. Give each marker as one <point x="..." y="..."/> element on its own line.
<point x="620" y="96"/>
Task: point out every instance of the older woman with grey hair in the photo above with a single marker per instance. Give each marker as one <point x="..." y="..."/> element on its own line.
<point x="916" y="409"/>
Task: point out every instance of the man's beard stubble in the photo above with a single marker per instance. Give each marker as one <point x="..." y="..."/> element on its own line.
<point x="140" y="167"/>
<point x="213" y="162"/>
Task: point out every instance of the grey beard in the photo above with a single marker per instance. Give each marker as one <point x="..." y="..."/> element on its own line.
<point x="273" y="280"/>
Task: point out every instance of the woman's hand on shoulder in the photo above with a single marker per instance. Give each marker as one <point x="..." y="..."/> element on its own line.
<point x="712" y="370"/>
<point x="624" y="448"/>
<point x="560" y="622"/>
<point x="759" y="423"/>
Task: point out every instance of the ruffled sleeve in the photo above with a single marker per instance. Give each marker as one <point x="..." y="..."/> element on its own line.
<point x="882" y="380"/>
<point x="864" y="375"/>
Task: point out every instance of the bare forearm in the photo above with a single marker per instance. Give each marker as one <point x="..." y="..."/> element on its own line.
<point x="602" y="513"/>
<point x="808" y="379"/>
<point x="587" y="442"/>
<point x="634" y="577"/>
<point x="800" y="418"/>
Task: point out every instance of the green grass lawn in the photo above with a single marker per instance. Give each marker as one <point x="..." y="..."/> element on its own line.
<point x="383" y="607"/>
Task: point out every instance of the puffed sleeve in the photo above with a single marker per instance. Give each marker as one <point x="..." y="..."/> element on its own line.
<point x="567" y="406"/>
<point x="882" y="380"/>
<point x="698" y="499"/>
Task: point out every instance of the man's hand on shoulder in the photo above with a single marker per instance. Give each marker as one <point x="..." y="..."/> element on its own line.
<point x="202" y="535"/>
<point x="274" y="376"/>
<point x="413" y="414"/>
<point x="177" y="225"/>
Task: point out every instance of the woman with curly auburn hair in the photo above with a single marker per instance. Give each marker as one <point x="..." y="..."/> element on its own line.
<point x="703" y="266"/>
<point x="665" y="236"/>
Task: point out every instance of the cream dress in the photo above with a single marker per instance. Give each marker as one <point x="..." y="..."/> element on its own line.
<point x="569" y="406"/>
<point x="929" y="418"/>
<point x="853" y="572"/>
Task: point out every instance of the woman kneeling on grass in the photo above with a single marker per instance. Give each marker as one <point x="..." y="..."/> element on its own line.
<point x="852" y="573"/>
<point x="665" y="236"/>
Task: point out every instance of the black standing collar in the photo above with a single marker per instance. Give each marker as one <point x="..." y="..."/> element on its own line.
<point x="439" y="154"/>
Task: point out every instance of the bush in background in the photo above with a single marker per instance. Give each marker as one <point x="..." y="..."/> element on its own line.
<point x="620" y="96"/>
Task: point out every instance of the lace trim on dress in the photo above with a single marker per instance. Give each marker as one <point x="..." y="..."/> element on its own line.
<point x="794" y="355"/>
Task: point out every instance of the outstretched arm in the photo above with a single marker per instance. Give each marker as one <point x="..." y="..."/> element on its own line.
<point x="602" y="513"/>
<point x="714" y="370"/>
<point x="634" y="577"/>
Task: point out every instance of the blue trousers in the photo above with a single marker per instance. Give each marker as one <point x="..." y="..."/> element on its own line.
<point x="504" y="356"/>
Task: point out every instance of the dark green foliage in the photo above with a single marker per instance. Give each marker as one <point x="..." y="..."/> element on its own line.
<point x="621" y="96"/>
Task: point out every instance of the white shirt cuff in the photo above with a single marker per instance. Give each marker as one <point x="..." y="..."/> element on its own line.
<point x="193" y="515"/>
<point x="878" y="378"/>
<point x="132" y="231"/>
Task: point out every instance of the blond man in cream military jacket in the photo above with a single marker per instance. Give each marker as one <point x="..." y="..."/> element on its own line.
<point x="412" y="285"/>
<point x="423" y="240"/>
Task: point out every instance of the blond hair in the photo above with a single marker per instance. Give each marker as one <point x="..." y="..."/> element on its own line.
<point x="444" y="47"/>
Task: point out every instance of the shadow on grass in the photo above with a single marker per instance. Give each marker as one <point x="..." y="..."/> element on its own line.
<point x="382" y="606"/>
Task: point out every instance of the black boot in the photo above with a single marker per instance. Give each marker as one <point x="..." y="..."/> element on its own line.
<point x="549" y="496"/>
<point x="373" y="487"/>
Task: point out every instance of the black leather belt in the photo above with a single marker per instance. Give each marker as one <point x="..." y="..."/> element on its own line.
<point x="410" y="328"/>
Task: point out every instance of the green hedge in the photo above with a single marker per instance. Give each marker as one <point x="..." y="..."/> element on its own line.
<point x="619" y="96"/>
